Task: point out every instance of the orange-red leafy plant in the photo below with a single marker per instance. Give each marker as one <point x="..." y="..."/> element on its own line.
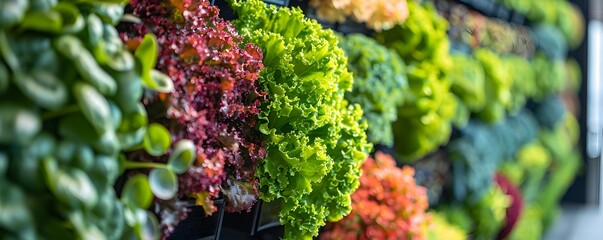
<point x="388" y="205"/>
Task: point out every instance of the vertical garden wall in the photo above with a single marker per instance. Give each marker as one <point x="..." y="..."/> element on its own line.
<point x="319" y="119"/>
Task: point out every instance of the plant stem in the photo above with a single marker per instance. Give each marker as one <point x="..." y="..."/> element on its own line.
<point x="132" y="164"/>
<point x="66" y="110"/>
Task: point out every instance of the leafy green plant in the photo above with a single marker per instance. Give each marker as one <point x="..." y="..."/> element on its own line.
<point x="497" y="88"/>
<point x="523" y="78"/>
<point x="477" y="153"/>
<point x="468" y="85"/>
<point x="489" y="213"/>
<point x="69" y="108"/>
<point x="315" y="143"/>
<point x="444" y="230"/>
<point x="529" y="226"/>
<point x="550" y="75"/>
<point x="379" y="84"/>
<point x="424" y="120"/>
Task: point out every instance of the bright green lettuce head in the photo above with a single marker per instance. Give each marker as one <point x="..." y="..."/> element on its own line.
<point x="468" y="82"/>
<point x="424" y="120"/>
<point x="379" y="84"/>
<point x="498" y="86"/>
<point x="523" y="80"/>
<point x="315" y="142"/>
<point x="550" y="75"/>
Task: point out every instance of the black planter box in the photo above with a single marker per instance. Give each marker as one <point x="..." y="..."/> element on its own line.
<point x="262" y="218"/>
<point x="199" y="226"/>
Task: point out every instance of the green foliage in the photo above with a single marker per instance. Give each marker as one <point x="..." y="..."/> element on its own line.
<point x="561" y="176"/>
<point x="70" y="107"/>
<point x="477" y="153"/>
<point x="523" y="78"/>
<point x="489" y="213"/>
<point x="424" y="120"/>
<point x="498" y="86"/>
<point x="379" y="84"/>
<point x="468" y="84"/>
<point x="529" y="226"/>
<point x="564" y="15"/>
<point x="442" y="229"/>
<point x="528" y="169"/>
<point x="550" y="75"/>
<point x="550" y="41"/>
<point x="315" y="142"/>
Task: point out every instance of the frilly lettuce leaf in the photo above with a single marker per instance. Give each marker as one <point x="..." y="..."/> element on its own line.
<point x="315" y="141"/>
<point x="498" y="86"/>
<point x="424" y="120"/>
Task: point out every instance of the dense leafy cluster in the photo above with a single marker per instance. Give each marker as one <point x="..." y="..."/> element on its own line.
<point x="550" y="75"/>
<point x="471" y="31"/>
<point x="515" y="209"/>
<point x="498" y="85"/>
<point x="468" y="84"/>
<point x="424" y="120"/>
<point x="565" y="163"/>
<point x="527" y="170"/>
<point x="489" y="213"/>
<point x="441" y="229"/>
<point x="377" y="14"/>
<point x="379" y="84"/>
<point x="215" y="101"/>
<point x="550" y="41"/>
<point x="70" y="105"/>
<point x="315" y="143"/>
<point x="529" y="226"/>
<point x="561" y="13"/>
<point x="388" y="205"/>
<point x="523" y="78"/>
<point x="481" y="148"/>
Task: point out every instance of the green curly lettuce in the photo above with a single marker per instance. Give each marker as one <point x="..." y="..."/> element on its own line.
<point x="379" y="84"/>
<point x="550" y="75"/>
<point x="315" y="140"/>
<point x="498" y="86"/>
<point x="424" y="121"/>
<point x="468" y="83"/>
<point x="523" y="80"/>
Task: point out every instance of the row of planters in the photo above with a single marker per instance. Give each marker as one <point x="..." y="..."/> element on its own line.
<point x="160" y="119"/>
